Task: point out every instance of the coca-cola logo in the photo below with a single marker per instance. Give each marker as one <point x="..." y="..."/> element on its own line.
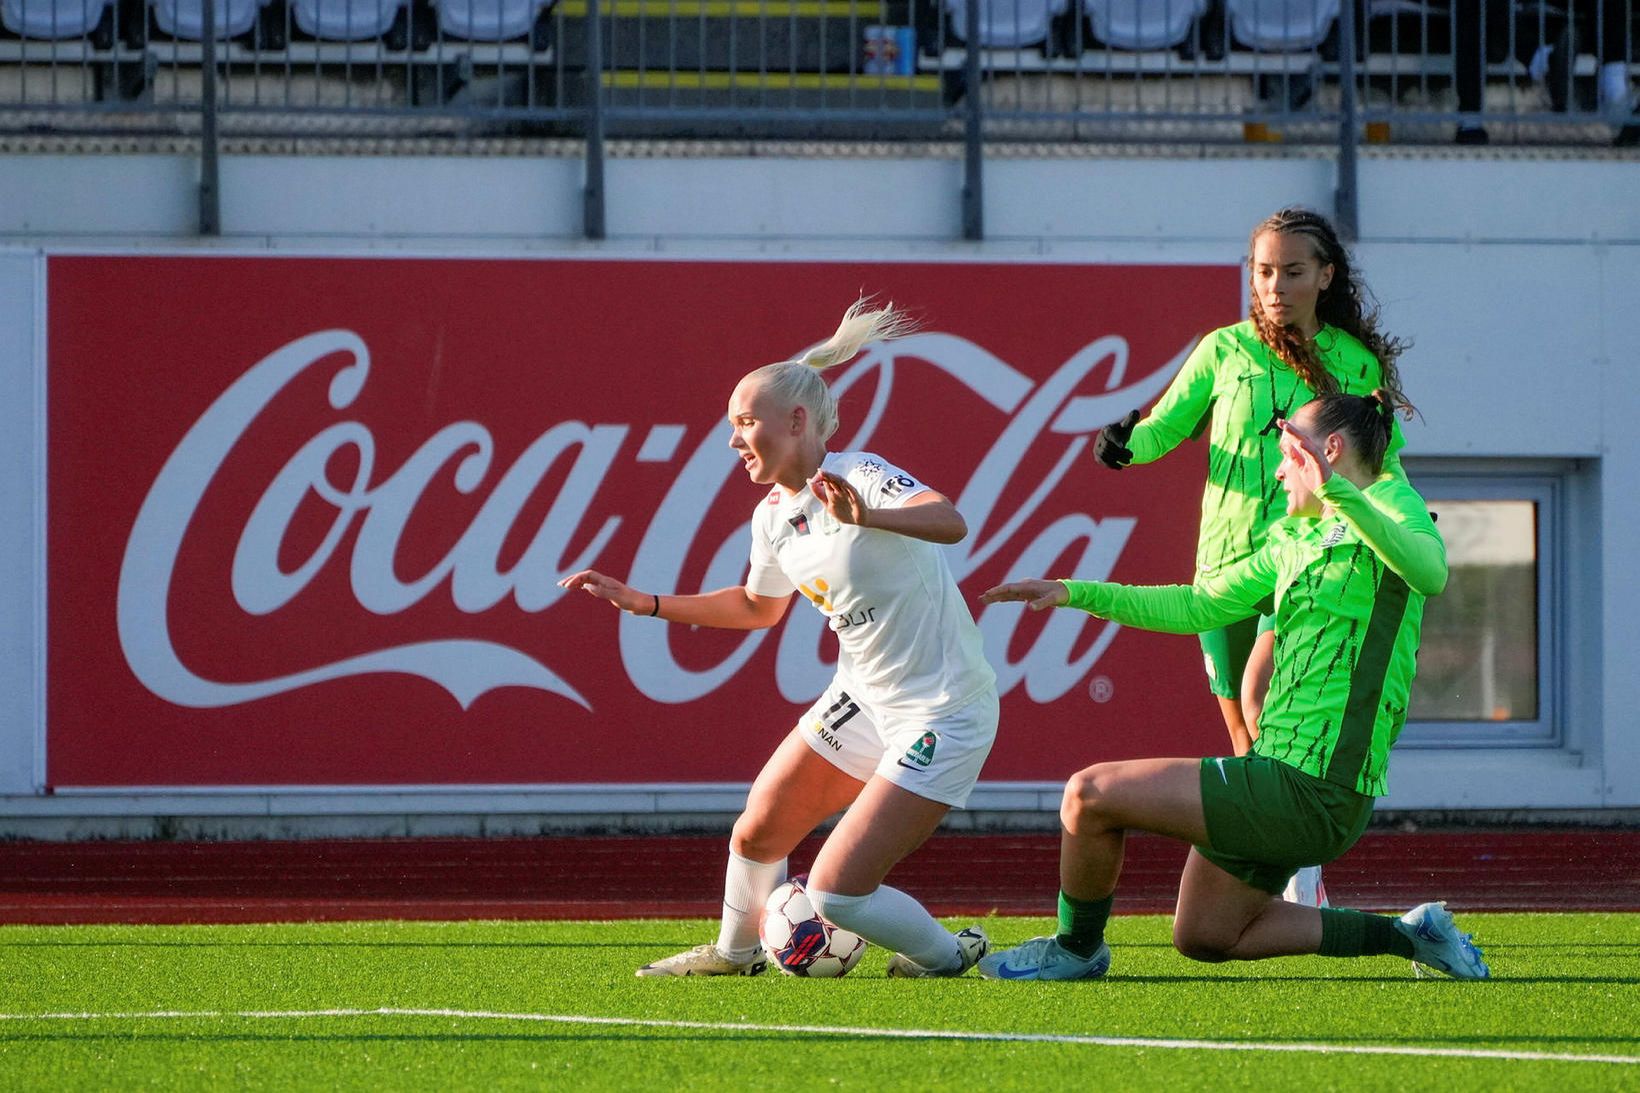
<point x="377" y="504"/>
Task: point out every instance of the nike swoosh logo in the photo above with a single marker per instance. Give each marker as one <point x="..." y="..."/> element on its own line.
<point x="1008" y="971"/>
<point x="1222" y="776"/>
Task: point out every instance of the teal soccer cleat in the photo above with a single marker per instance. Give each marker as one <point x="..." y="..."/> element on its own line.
<point x="1044" y="958"/>
<point x="1438" y="944"/>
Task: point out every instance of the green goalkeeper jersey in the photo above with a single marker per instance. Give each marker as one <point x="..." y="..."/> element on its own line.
<point x="1246" y="389"/>
<point x="1349" y="594"/>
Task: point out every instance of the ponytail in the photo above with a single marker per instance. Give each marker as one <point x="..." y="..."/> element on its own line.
<point x="1368" y="421"/>
<point x="798" y="383"/>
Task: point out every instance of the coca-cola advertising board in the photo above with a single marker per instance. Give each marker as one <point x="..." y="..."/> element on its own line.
<point x="306" y="517"/>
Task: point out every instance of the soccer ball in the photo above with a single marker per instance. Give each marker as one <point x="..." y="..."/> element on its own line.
<point x="799" y="941"/>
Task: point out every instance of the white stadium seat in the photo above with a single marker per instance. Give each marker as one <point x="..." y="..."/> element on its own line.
<point x="1281" y="25"/>
<point x="186" y="18"/>
<point x="1006" y="24"/>
<point x="1143" y="24"/>
<point x="488" y="20"/>
<point x="51" y="18"/>
<point x="345" y="20"/>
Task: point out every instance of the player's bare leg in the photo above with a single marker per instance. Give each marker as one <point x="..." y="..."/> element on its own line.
<point x="883" y="826"/>
<point x="1220" y="917"/>
<point x="1100" y="803"/>
<point x="793" y="793"/>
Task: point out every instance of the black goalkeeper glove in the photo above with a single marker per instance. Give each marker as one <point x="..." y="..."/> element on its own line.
<point x="1111" y="447"/>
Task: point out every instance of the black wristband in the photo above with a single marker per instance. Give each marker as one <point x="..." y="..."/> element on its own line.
<point x="656" y="610"/>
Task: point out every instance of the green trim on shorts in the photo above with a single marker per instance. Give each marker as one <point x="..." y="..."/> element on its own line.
<point x="1226" y="651"/>
<point x="1267" y="819"/>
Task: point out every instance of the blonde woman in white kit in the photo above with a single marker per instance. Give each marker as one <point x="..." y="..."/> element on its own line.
<point x="899" y="736"/>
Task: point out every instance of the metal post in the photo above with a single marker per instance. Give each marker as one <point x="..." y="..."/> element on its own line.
<point x="210" y="205"/>
<point x="1346" y="211"/>
<point x="593" y="196"/>
<point x="973" y="179"/>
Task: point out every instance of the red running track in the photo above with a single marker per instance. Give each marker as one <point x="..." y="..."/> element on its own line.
<point x="675" y="877"/>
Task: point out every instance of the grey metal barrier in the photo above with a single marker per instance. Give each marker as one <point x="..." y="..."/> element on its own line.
<point x="1324" y="74"/>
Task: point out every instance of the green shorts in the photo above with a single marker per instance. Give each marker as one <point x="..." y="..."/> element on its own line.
<point x="1266" y="819"/>
<point x="1226" y="651"/>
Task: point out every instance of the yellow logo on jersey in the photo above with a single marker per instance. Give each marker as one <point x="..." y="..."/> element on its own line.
<point x="818" y="594"/>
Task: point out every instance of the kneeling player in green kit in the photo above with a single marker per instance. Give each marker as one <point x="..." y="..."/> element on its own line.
<point x="1349" y="569"/>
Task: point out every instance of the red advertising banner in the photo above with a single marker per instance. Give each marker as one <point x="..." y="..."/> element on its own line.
<point x="307" y="516"/>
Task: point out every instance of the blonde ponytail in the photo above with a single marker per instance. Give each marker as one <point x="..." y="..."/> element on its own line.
<point x="858" y="327"/>
<point x="798" y="383"/>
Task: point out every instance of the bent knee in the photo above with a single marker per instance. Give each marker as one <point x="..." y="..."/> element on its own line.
<point x="1084" y="795"/>
<point x="754" y="839"/>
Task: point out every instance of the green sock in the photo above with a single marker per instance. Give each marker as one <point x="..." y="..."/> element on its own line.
<point x="1356" y="933"/>
<point x="1082" y="923"/>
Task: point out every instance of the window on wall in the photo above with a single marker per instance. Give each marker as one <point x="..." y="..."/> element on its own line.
<point x="1487" y="664"/>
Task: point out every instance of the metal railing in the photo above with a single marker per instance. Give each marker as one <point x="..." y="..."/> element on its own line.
<point x="1326" y="74"/>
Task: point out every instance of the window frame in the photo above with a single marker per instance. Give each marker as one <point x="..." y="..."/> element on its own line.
<point x="1440" y="480"/>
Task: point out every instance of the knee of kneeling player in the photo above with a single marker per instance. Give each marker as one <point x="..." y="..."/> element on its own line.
<point x="1080" y="805"/>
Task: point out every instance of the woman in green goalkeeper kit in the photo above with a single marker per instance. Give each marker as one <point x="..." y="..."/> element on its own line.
<point x="1308" y="332"/>
<point x="1348" y="572"/>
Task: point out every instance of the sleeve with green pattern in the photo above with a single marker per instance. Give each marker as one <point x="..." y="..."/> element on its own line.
<point x="1180" y="608"/>
<point x="1182" y="406"/>
<point x="1392" y="519"/>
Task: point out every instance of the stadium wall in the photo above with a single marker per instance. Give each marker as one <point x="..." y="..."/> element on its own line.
<point x="1515" y="278"/>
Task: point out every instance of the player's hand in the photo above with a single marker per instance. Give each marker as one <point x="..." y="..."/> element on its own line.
<point x="840" y="497"/>
<point x="621" y="595"/>
<point x="1037" y="593"/>
<point x="1309" y="463"/>
<point x="1111" y="446"/>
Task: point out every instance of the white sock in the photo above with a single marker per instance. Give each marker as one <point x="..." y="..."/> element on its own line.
<point x="746" y="884"/>
<point x="1614" y="81"/>
<point x="892" y="919"/>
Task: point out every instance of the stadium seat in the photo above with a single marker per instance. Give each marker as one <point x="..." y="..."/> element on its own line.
<point x="1006" y="24"/>
<point x="186" y="18"/>
<point x="52" y="18"/>
<point x="345" y="20"/>
<point x="1143" y="24"/>
<point x="488" y="20"/>
<point x="1281" y="25"/>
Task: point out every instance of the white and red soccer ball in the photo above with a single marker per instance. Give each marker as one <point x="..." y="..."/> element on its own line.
<point x="799" y="941"/>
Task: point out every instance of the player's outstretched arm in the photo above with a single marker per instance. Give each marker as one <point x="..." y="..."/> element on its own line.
<point x="929" y="515"/>
<point x="1038" y="594"/>
<point x="727" y="608"/>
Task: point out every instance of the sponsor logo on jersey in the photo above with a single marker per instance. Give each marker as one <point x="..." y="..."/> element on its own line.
<point x="800" y="522"/>
<point x="897" y="485"/>
<point x="1335" y="536"/>
<point x="869" y="468"/>
<point x="844" y="620"/>
<point x="824" y="734"/>
<point x="919" y="755"/>
<point x="818" y="594"/>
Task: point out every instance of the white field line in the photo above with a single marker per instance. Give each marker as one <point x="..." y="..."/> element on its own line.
<point x="842" y="1030"/>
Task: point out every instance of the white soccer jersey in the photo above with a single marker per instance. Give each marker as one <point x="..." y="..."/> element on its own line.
<point x="909" y="645"/>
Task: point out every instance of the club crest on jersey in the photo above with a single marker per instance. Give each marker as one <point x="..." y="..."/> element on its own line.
<point x="1335" y="536"/>
<point x="800" y="522"/>
<point x="919" y="755"/>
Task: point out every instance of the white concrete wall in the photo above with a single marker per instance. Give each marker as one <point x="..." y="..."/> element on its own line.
<point x="1517" y="280"/>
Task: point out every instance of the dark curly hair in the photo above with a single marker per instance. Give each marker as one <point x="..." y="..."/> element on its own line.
<point x="1345" y="303"/>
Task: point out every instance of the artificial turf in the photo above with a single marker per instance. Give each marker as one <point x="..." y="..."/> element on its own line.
<point x="555" y="1004"/>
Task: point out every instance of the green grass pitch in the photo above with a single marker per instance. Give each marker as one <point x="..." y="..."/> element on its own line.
<point x="501" y="1005"/>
